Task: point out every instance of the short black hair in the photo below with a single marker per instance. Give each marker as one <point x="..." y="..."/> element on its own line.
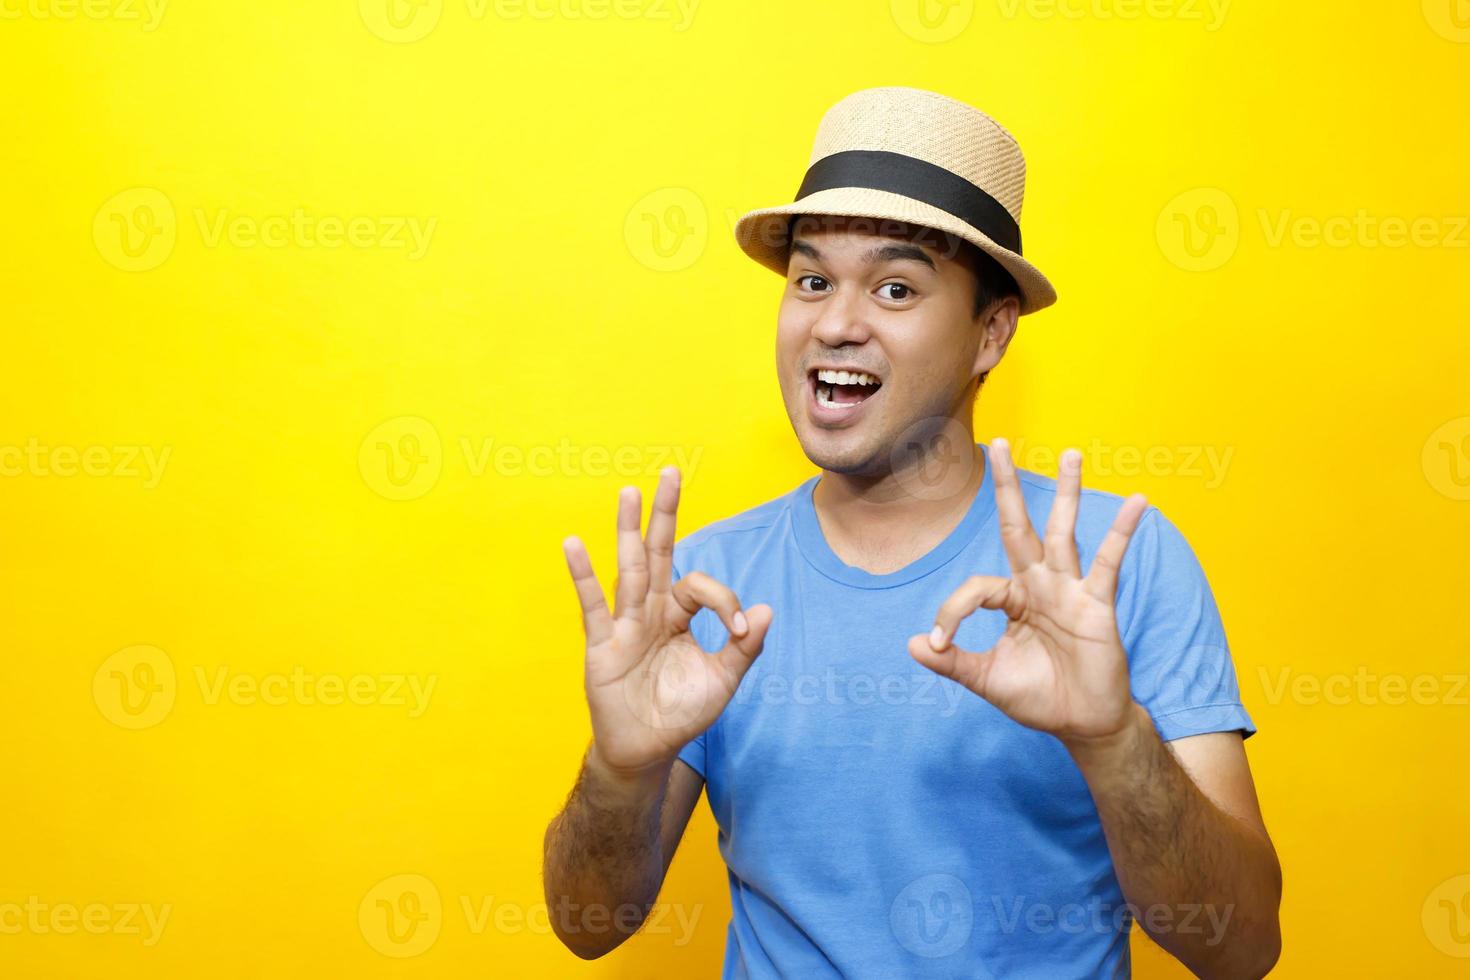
<point x="992" y="281"/>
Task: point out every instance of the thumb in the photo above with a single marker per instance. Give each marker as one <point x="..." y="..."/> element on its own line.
<point x="740" y="652"/>
<point x="960" y="665"/>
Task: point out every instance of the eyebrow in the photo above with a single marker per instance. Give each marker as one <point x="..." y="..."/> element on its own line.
<point x="891" y="252"/>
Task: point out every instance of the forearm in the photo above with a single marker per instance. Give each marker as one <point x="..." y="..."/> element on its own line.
<point x="1180" y="858"/>
<point x="603" y="863"/>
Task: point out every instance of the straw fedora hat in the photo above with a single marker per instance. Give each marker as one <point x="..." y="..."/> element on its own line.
<point x="904" y="154"/>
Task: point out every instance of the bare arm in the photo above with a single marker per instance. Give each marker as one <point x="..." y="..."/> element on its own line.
<point x="609" y="849"/>
<point x="650" y="689"/>
<point x="1189" y="846"/>
<point x="1182" y="823"/>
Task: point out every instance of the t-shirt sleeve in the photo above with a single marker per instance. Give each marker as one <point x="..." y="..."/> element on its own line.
<point x="1178" y="658"/>
<point x="692" y="754"/>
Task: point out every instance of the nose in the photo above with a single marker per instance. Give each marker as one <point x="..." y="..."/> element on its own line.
<point x="843" y="319"/>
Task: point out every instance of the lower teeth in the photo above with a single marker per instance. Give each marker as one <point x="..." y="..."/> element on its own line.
<point x="824" y="398"/>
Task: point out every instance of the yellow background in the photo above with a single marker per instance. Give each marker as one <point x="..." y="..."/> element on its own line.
<point x="545" y="316"/>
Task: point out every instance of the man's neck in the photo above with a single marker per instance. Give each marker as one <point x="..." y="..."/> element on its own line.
<point x="882" y="524"/>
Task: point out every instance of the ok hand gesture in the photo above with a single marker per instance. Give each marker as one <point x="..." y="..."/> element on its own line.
<point x="1060" y="667"/>
<point x="650" y="686"/>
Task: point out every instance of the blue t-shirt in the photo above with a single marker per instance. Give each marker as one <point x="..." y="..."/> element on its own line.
<point x="879" y="820"/>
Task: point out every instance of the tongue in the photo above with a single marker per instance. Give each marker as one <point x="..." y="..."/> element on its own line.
<point x="847" y="394"/>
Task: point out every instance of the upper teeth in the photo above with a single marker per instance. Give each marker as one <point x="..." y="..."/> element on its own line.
<point x="845" y="377"/>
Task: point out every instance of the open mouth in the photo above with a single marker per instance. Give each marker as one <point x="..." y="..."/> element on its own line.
<point x="843" y="389"/>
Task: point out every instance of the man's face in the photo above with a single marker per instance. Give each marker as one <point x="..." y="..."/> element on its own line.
<point x="885" y="300"/>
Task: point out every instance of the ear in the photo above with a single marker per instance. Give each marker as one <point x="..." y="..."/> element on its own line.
<point x="997" y="323"/>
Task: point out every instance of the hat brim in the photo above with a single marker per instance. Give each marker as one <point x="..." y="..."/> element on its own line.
<point x="761" y="234"/>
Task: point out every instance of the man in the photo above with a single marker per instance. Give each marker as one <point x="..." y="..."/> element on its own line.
<point x="890" y="802"/>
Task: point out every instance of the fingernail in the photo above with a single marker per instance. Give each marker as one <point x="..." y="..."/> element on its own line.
<point x="936" y="637"/>
<point x="741" y="626"/>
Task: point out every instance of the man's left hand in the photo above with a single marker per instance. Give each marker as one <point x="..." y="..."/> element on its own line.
<point x="1060" y="667"/>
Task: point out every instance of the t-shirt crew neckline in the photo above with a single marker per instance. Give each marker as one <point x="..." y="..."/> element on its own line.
<point x="819" y="554"/>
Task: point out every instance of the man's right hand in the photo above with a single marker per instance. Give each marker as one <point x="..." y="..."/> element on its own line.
<point x="651" y="688"/>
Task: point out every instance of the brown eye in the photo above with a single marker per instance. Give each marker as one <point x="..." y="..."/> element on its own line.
<point x="817" y="282"/>
<point x="903" y="292"/>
